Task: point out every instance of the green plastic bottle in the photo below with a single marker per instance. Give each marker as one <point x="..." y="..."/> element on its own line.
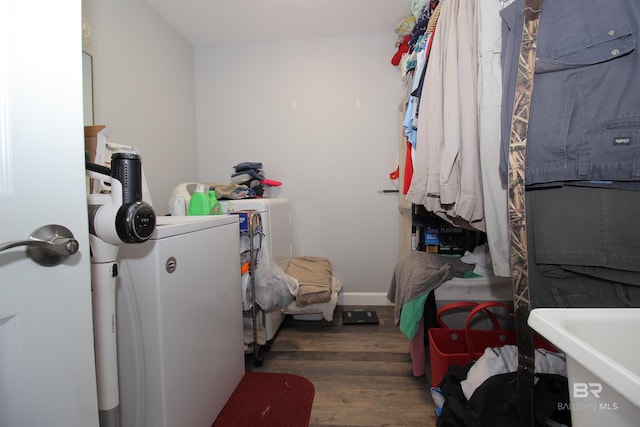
<point x="216" y="208"/>
<point x="200" y="204"/>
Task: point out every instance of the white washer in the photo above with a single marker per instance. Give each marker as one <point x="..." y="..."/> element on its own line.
<point x="180" y="345"/>
<point x="276" y="223"/>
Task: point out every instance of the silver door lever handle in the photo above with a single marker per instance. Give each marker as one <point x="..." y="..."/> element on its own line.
<point x="49" y="245"/>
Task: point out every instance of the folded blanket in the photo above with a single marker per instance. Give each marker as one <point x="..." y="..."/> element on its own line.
<point x="247" y="175"/>
<point x="232" y="191"/>
<point x="315" y="278"/>
<point x="326" y="308"/>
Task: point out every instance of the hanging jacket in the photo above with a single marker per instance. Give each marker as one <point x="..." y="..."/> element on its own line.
<point x="584" y="122"/>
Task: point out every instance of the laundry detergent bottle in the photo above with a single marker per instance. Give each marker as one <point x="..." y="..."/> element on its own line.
<point x="216" y="208"/>
<point x="200" y="204"/>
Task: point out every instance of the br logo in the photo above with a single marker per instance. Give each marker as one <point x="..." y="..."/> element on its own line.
<point x="584" y="390"/>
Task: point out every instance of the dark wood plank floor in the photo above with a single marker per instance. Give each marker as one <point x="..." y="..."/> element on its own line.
<point x="362" y="374"/>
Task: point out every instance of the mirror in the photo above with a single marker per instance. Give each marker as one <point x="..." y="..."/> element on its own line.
<point x="87" y="88"/>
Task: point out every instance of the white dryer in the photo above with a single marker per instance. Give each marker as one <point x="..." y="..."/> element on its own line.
<point x="179" y="317"/>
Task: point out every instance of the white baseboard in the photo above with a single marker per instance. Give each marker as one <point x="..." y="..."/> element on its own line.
<point x="363" y="298"/>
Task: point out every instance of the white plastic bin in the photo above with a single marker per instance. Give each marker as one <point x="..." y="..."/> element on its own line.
<point x="480" y="289"/>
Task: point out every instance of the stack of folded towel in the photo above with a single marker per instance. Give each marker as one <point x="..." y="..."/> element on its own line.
<point x="251" y="175"/>
<point x="247" y="173"/>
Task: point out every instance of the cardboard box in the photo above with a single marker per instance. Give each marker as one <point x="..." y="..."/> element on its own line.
<point x="243" y="219"/>
<point x="432" y="239"/>
<point x="94" y="143"/>
<point x="448" y="240"/>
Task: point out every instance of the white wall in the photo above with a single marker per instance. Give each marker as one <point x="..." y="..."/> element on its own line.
<point x="144" y="90"/>
<point x="322" y="116"/>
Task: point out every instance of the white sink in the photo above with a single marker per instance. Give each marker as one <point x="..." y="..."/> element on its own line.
<point x="603" y="361"/>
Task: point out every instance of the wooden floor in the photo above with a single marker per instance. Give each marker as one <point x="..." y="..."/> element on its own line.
<point x="362" y="373"/>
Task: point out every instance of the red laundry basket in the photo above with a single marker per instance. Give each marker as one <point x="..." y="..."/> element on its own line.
<point x="460" y="346"/>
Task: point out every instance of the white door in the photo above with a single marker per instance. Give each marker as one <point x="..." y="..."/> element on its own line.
<point x="47" y="373"/>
